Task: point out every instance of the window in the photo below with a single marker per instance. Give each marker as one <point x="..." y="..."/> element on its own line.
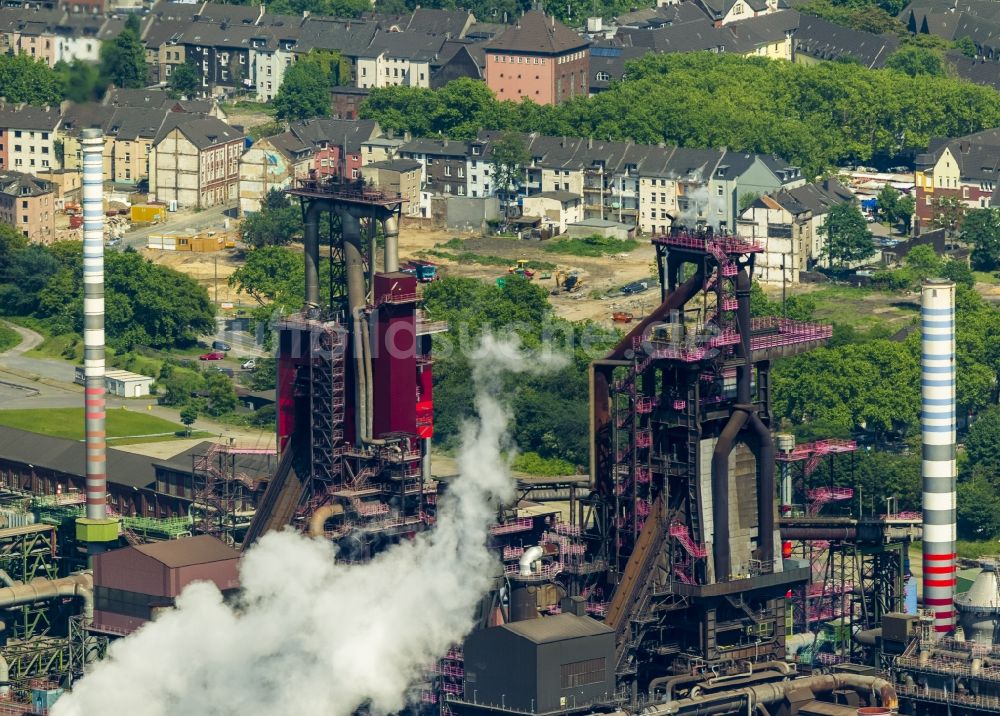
<point x="461" y="171"/>
<point x="24" y="204"/>
<point x="24" y="219"/>
<point x="17" y="132"/>
<point x="364" y="71"/>
<point x="354" y="174"/>
<point x="581" y="673"/>
<point x="447" y="171"/>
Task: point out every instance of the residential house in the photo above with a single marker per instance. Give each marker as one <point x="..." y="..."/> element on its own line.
<point x="54" y="35"/>
<point x="346" y="101"/>
<point x="788" y="223"/>
<point x="397" y="177"/>
<point x="556" y="209"/>
<point x="399" y="58"/>
<point x="435" y="21"/>
<point x="538" y="58"/>
<point x="978" y="20"/>
<point x="966" y="169"/>
<point x="337" y="144"/>
<point x="272" y="163"/>
<point x="818" y="40"/>
<point x="741" y="174"/>
<point x="221" y="54"/>
<point x="723" y="12"/>
<point x="28" y="204"/>
<point x="443" y="164"/>
<point x="768" y="35"/>
<point x="161" y="99"/>
<point x="380" y="149"/>
<point x="196" y="162"/>
<point x="27" y="138"/>
<point x="272" y="53"/>
<point x="351" y="38"/>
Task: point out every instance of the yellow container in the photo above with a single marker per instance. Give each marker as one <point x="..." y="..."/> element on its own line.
<point x="88" y="530"/>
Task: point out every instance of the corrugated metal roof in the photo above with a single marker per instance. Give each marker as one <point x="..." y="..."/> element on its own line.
<point x="560" y="627"/>
<point x="188" y="551"/>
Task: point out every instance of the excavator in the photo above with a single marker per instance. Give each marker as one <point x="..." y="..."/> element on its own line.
<point x="570" y="282"/>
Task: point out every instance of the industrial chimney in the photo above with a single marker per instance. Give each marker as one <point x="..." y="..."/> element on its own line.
<point x="93" y="319"/>
<point x="94" y="529"/>
<point x="937" y="423"/>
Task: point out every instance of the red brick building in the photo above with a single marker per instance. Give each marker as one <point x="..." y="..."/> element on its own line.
<point x="539" y="59"/>
<point x="967" y="168"/>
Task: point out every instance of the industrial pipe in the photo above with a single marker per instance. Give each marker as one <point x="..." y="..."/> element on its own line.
<point x="390" y="227"/>
<point x="37" y="590"/>
<point x="92" y="142"/>
<point x="530" y="556"/>
<point x="310" y="239"/>
<point x="720" y="493"/>
<point x="804" y="534"/>
<point x="317" y="521"/>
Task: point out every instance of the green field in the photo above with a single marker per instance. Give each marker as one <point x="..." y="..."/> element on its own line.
<point x="8" y="338"/>
<point x="863" y="308"/>
<point x="68" y="423"/>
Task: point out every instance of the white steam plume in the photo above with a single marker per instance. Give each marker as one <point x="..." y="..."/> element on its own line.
<point x="310" y="636"/>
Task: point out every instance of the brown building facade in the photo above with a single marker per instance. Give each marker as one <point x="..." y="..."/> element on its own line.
<point x="538" y="59"/>
<point x="28" y="204"/>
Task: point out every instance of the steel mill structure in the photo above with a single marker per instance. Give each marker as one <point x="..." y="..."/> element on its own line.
<point x="705" y="566"/>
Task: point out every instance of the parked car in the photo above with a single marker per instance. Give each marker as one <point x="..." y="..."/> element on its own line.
<point x="214" y="355"/>
<point x="221" y="346"/>
<point x="249" y="364"/>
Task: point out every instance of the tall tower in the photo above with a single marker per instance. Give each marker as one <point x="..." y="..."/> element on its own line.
<point x="937" y="423"/>
<point x="95" y="529"/>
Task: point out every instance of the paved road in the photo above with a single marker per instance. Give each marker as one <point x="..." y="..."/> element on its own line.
<point x="182" y="221"/>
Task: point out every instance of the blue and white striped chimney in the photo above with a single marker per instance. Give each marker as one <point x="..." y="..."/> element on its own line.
<point x="937" y="424"/>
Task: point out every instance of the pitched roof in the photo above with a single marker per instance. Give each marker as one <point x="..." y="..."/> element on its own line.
<point x="828" y="41"/>
<point x="18" y="184"/>
<point x="188" y="551"/>
<point x="439" y="21"/>
<point x="536" y="33"/>
<point x="201" y="131"/>
<point x="25" y="116"/>
<point x="977" y="155"/>
<point x="339" y="132"/>
<point x="70" y="457"/>
<point x="350" y="37"/>
<point x="414" y="46"/>
<point x="396" y="165"/>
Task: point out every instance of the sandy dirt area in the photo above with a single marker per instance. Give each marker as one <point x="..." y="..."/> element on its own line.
<point x="211" y="270"/>
<point x="602" y="276"/>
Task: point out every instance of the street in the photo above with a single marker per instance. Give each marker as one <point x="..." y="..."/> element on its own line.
<point x="182" y="221"/>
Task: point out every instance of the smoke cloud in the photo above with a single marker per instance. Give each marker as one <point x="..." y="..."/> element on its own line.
<point x="309" y="636"/>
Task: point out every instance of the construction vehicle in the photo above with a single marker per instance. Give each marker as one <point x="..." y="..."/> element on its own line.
<point x="568" y="282"/>
<point x="521" y="269"/>
<point x="622" y="317"/>
<point x="424" y="271"/>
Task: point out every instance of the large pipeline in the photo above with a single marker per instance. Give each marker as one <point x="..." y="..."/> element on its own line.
<point x="744" y="415"/>
<point x="803" y="534"/>
<point x="869" y="687"/>
<point x="310" y="239"/>
<point x="38" y="590"/>
<point x="390" y="227"/>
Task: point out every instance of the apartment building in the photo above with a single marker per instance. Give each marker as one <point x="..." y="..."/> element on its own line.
<point x="788" y="224"/>
<point x="27" y="138"/>
<point x="396" y="177"/>
<point x="443" y="164"/>
<point x="196" y="162"/>
<point x="540" y="59"/>
<point x="272" y="163"/>
<point x="28" y="204"/>
<point x="966" y="169"/>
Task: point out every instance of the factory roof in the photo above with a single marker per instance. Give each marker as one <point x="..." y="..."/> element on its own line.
<point x="202" y="549"/>
<point x="69" y="457"/>
<point x="560" y="627"/>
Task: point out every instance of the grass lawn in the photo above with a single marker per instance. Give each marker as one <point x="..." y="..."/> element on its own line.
<point x="68" y="423"/>
<point x="986" y="277"/>
<point x="864" y="308"/>
<point x="8" y="338"/>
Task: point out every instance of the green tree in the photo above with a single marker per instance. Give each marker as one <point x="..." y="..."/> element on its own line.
<point x="966" y="46"/>
<point x="278" y="222"/>
<point x="184" y="81"/>
<point x="189" y="413"/>
<point x="270" y="274"/>
<point x="304" y="92"/>
<point x="978" y="509"/>
<point x="922" y="262"/>
<point x="916" y="61"/>
<point x="981" y="228"/>
<point x="220" y="393"/>
<point x="746" y="199"/>
<point x="123" y="60"/>
<point x="906" y="207"/>
<point x="948" y="213"/>
<point x="180" y="385"/>
<point x="507" y="159"/>
<point x="81" y="81"/>
<point x="848" y="239"/>
<point x="888" y="203"/>
<point x="982" y="444"/>
<point x="958" y="271"/>
<point x="25" y="79"/>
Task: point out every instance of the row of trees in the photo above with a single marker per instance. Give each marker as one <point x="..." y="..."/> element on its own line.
<point x="816" y="116"/>
<point x="146" y="304"/>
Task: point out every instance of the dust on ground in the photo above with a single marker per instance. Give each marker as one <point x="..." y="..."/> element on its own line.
<point x="602" y="276"/>
<point x="210" y="269"/>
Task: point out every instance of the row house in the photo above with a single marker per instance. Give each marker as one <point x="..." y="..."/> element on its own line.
<point x="28" y="204"/>
<point x="196" y="162"/>
<point x="646" y="186"/>
<point x="54" y="36"/>
<point x="788" y="223"/>
<point x="443" y="164"/>
<point x="415" y="59"/>
<point x="27" y="138"/>
<point x="325" y="147"/>
<point x="966" y="169"/>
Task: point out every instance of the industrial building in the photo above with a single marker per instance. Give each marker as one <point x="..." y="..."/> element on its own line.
<point x="705" y="566"/>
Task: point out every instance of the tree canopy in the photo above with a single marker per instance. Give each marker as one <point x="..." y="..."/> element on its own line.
<point x="278" y="222"/>
<point x="815" y="116"/>
<point x="123" y="60"/>
<point x="25" y="79"/>
<point x="184" y="80"/>
<point x="848" y="239"/>
<point x="304" y="92"/>
<point x="981" y="228"/>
